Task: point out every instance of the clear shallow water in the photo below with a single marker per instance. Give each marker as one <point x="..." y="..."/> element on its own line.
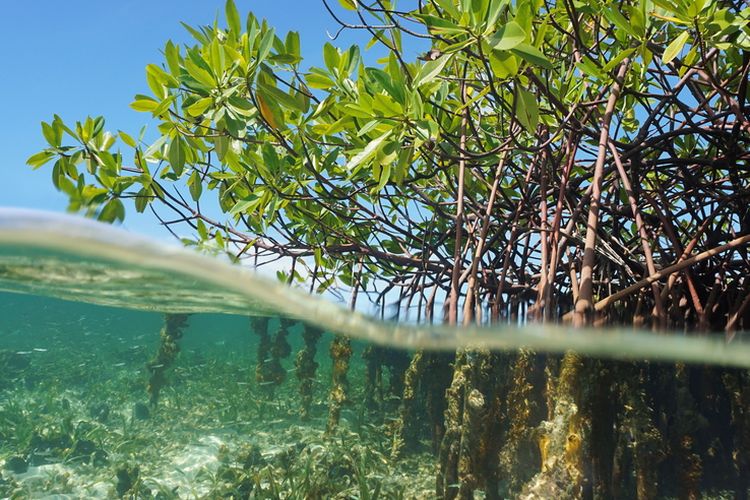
<point x="83" y="309"/>
<point x="74" y="379"/>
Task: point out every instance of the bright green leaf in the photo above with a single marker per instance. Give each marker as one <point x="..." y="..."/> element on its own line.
<point x="233" y="17"/>
<point x="527" y="109"/>
<point x="144" y="105"/>
<point x="127" y="139"/>
<point x="199" y="106"/>
<point x="39" y="159"/>
<point x="367" y="153"/>
<point x="675" y="47"/>
<point x="508" y="37"/>
<point x="195" y="185"/>
<point x="431" y="69"/>
<point x="532" y="55"/>
<point x="176" y="155"/>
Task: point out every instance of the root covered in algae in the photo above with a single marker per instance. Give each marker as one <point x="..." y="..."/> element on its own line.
<point x="377" y="359"/>
<point x="269" y="373"/>
<point x="405" y="433"/>
<point x="561" y="439"/>
<point x="518" y="451"/>
<point x="341" y="353"/>
<point x="174" y="325"/>
<point x="422" y="404"/>
<point x="306" y="368"/>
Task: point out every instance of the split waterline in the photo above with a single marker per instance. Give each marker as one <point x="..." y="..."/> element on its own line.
<point x="75" y="259"/>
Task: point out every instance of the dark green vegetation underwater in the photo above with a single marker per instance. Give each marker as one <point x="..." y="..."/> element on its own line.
<point x="94" y="402"/>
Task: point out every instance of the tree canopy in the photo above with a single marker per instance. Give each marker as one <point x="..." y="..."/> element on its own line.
<point x="539" y="157"/>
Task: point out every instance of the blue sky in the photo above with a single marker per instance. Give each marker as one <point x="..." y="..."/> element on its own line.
<point x="82" y="58"/>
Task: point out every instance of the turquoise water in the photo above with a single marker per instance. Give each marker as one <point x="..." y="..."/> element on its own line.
<point x="75" y="377"/>
<point x="92" y="318"/>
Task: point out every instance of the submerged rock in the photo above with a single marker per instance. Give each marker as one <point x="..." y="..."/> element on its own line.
<point x="127" y="479"/>
<point x="99" y="412"/>
<point x="87" y="452"/>
<point x="16" y="464"/>
<point x="141" y="411"/>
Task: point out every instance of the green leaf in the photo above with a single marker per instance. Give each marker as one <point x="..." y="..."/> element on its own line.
<point x="532" y="55"/>
<point x="675" y="47"/>
<point x="503" y="64"/>
<point x="589" y="67"/>
<point x="199" y="106"/>
<point x="508" y="37"/>
<point x="317" y="79"/>
<point x="349" y="4"/>
<point x="161" y="76"/>
<point x="53" y="135"/>
<point x="493" y="13"/>
<point x="450" y="8"/>
<point x="615" y="17"/>
<point x="618" y="59"/>
<point x="112" y="211"/>
<point x="292" y="45"/>
<point x="199" y="74"/>
<point x="141" y="200"/>
<point x="431" y="69"/>
<point x="331" y="57"/>
<point x="233" y="17"/>
<point x="144" y="104"/>
<point x="246" y="205"/>
<point x="39" y="159"/>
<point x="384" y="79"/>
<point x="164" y="105"/>
<point x="638" y="21"/>
<point x="385" y="175"/>
<point x="265" y="45"/>
<point x="440" y="26"/>
<point x="527" y="110"/>
<point x="202" y="231"/>
<point x="200" y="38"/>
<point x="195" y="185"/>
<point x="176" y="155"/>
<point x="127" y="139"/>
<point x="367" y="153"/>
<point x="172" y="54"/>
<point x="281" y="97"/>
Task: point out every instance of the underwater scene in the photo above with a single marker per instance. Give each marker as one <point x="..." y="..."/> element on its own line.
<point x="129" y="369"/>
<point x="107" y="403"/>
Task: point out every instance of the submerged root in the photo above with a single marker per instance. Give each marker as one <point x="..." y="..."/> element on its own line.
<point x="341" y="353"/>
<point x="447" y="479"/>
<point x="737" y="384"/>
<point x="561" y="439"/>
<point x="174" y="324"/>
<point x="468" y="453"/>
<point x="646" y="441"/>
<point x="405" y="428"/>
<point x="689" y="422"/>
<point x="515" y="456"/>
<point x="269" y="373"/>
<point x="306" y="369"/>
